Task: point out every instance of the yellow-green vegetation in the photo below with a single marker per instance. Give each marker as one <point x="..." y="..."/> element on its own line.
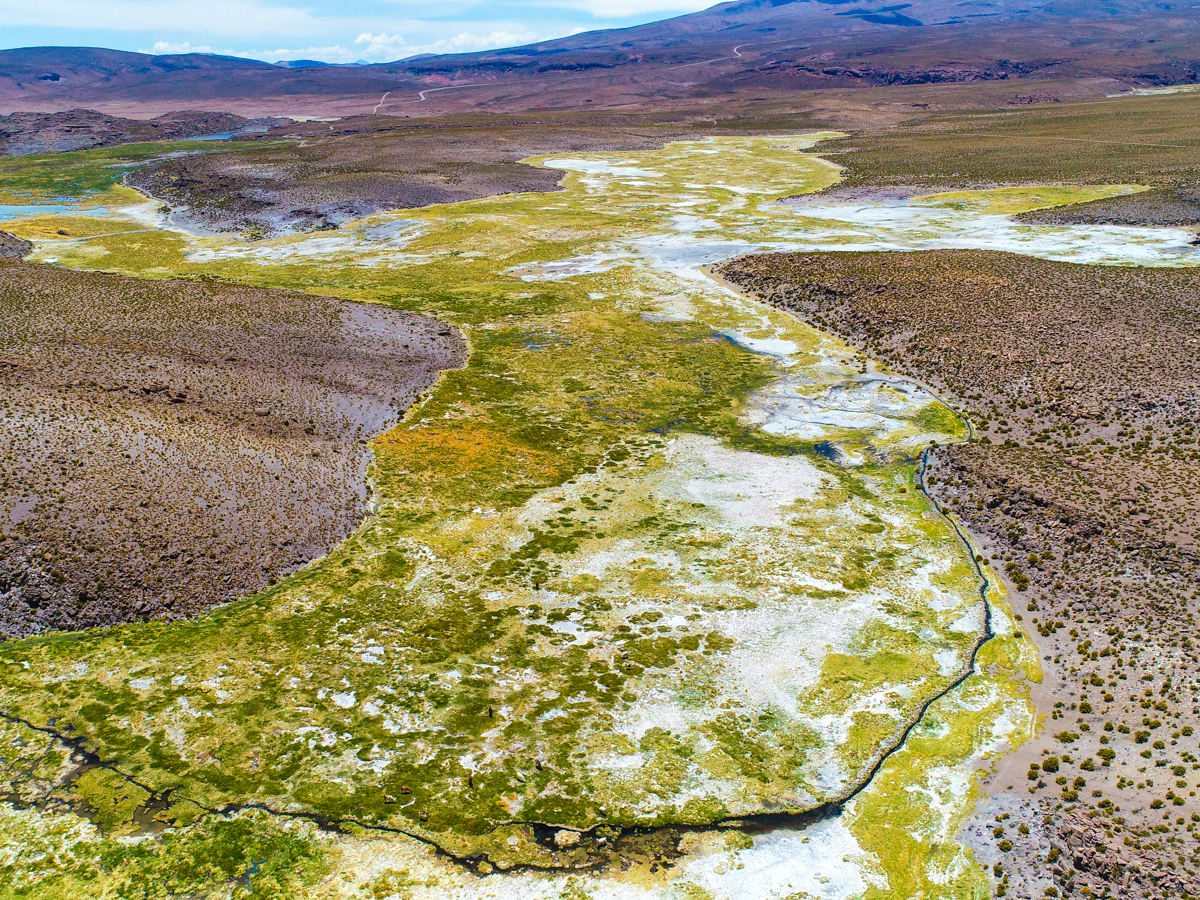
<point x="654" y="556"/>
<point x="910" y="816"/>
<point x="64" y="222"/>
<point x="1015" y="200"/>
<point x="83" y="176"/>
<point x="62" y="856"/>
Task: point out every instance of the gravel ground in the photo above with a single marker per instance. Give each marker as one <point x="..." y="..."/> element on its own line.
<point x="166" y="446"/>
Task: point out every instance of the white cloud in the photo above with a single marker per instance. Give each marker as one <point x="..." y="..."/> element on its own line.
<point x="329" y="54"/>
<point x="620" y="9"/>
<point x="161" y="47"/>
<point x="466" y="41"/>
<point x="385" y="47"/>
<point x="380" y="47"/>
<point x="318" y="29"/>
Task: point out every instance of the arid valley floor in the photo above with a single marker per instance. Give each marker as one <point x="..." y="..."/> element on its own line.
<point x="800" y="503"/>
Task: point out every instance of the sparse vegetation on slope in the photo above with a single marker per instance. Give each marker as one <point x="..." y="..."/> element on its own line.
<point x="1152" y="141"/>
<point x="167" y="446"/>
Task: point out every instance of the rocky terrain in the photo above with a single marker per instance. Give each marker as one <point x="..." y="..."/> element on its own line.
<point x="1079" y="488"/>
<point x="313" y="176"/>
<point x="25" y="133"/>
<point x="166" y="446"/>
<point x="13" y="247"/>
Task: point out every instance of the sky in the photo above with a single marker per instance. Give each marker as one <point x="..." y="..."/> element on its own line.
<point x="337" y="31"/>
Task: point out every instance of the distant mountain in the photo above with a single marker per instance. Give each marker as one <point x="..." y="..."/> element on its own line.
<point x="314" y="63"/>
<point x="765" y="22"/>
<point x="29" y="63"/>
<point x="62" y="78"/>
<point x="782" y="46"/>
<point x="754" y="45"/>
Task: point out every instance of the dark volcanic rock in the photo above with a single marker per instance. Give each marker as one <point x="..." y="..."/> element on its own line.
<point x="325" y="174"/>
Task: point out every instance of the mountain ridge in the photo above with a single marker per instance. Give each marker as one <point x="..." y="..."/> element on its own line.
<point x="777" y="45"/>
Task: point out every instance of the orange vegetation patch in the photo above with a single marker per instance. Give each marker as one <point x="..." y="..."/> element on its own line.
<point x="470" y="451"/>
